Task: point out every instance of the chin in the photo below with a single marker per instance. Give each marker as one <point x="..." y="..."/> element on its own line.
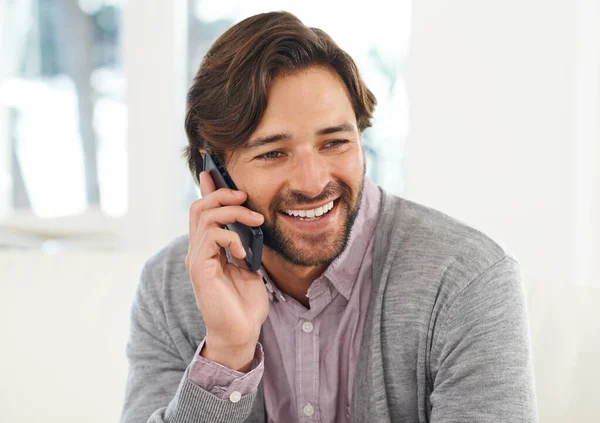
<point x="307" y="250"/>
<point x="316" y="254"/>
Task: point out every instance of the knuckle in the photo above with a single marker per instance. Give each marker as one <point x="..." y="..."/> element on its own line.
<point x="225" y="191"/>
<point x="211" y="233"/>
<point x="234" y="238"/>
<point x="205" y="218"/>
<point x="196" y="207"/>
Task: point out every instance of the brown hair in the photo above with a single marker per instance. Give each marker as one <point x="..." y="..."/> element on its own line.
<point x="229" y="93"/>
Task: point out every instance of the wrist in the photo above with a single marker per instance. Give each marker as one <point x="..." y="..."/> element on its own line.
<point x="238" y="357"/>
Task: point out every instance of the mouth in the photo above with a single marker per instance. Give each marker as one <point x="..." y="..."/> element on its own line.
<point x="310" y="214"/>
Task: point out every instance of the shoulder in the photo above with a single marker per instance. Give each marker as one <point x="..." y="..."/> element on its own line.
<point x="170" y="258"/>
<point x="165" y="287"/>
<point x="437" y="251"/>
<point x="163" y="269"/>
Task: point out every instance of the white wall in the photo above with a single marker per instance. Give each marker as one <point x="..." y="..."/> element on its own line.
<point x="64" y="324"/>
<point x="493" y="93"/>
<point x="491" y="86"/>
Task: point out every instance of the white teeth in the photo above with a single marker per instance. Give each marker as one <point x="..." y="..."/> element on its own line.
<point x="319" y="211"/>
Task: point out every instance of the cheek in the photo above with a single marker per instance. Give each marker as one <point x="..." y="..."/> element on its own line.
<point x="262" y="189"/>
<point x="350" y="169"/>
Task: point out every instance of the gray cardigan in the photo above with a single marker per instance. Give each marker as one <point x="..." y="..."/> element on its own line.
<point x="446" y="335"/>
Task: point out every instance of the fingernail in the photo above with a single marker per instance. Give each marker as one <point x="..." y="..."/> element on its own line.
<point x="238" y="193"/>
<point x="255" y="214"/>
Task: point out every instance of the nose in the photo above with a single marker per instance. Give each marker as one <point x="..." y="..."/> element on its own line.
<point x="310" y="174"/>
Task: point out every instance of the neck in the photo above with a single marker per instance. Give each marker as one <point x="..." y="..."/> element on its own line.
<point x="292" y="279"/>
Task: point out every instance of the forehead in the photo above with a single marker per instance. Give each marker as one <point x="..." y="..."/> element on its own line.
<point x="309" y="98"/>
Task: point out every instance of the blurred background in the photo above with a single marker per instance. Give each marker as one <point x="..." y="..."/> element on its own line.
<point x="487" y="111"/>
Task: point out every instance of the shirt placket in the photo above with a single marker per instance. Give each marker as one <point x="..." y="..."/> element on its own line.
<point x="307" y="345"/>
<point x="307" y="341"/>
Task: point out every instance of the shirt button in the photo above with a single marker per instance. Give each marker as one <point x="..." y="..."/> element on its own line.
<point x="307" y="327"/>
<point x="235" y="396"/>
<point x="308" y="410"/>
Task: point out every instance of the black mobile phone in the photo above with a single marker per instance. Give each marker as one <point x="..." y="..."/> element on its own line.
<point x="252" y="237"/>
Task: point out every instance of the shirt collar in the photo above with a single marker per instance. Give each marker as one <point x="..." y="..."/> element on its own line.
<point x="343" y="271"/>
<point x="274" y="292"/>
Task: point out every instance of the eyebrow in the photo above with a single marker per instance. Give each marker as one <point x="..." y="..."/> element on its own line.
<point x="268" y="139"/>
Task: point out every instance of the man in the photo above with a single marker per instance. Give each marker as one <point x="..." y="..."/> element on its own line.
<point x="368" y="307"/>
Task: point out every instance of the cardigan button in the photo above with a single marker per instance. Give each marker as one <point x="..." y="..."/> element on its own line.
<point x="235" y="397"/>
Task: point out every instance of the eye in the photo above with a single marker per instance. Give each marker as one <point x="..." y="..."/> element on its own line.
<point x="271" y="155"/>
<point x="335" y="143"/>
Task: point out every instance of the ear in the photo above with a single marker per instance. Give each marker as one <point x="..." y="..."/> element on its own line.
<point x="202" y="153"/>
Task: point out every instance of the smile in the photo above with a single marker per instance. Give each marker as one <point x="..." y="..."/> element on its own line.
<point x="308" y="214"/>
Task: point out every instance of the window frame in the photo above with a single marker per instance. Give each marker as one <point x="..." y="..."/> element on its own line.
<point x="155" y="116"/>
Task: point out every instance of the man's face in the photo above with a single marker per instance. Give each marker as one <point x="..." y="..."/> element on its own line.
<point x="305" y="157"/>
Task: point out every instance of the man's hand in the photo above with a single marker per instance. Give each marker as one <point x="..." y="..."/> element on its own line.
<point x="233" y="301"/>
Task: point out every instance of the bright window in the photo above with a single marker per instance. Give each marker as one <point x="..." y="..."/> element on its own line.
<point x="62" y="112"/>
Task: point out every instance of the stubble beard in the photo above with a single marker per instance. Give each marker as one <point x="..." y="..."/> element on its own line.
<point x="312" y="250"/>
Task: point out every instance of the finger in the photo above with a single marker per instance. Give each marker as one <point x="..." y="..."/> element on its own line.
<point x="228" y="214"/>
<point x="214" y="240"/>
<point x="220" y="217"/>
<point x="218" y="198"/>
<point x="206" y="187"/>
<point x="240" y="264"/>
<point x="206" y="183"/>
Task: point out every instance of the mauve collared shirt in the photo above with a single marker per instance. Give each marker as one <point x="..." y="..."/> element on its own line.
<point x="307" y="358"/>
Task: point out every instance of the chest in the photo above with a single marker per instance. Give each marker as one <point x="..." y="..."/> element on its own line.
<point x="311" y="357"/>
